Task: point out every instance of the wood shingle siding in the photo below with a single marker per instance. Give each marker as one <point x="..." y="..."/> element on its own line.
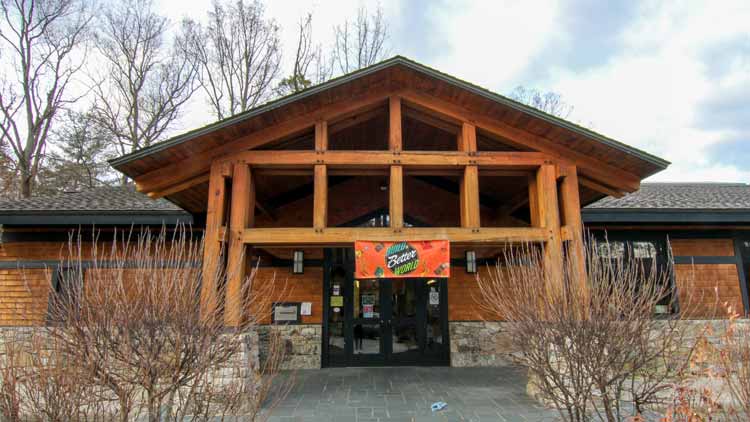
<point x="705" y="289"/>
<point x="702" y="247"/>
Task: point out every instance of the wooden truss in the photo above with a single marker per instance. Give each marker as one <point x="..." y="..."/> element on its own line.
<point x="230" y="218"/>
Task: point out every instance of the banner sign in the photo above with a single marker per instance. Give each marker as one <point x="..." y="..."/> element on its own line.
<point x="429" y="258"/>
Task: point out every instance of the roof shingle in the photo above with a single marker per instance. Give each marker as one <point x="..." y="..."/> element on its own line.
<point x="112" y="200"/>
<point x="681" y="196"/>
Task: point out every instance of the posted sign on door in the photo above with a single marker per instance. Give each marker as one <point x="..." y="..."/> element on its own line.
<point x="429" y="258"/>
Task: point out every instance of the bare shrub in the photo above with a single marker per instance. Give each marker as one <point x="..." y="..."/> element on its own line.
<point x="733" y="357"/>
<point x="127" y="338"/>
<point x="592" y="344"/>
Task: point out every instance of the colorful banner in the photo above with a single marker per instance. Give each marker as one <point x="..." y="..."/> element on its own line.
<point x="429" y="258"/>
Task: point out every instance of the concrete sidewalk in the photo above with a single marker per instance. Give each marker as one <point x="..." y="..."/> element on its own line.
<point x="406" y="393"/>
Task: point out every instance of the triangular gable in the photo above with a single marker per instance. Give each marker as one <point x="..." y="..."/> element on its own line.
<point x="180" y="164"/>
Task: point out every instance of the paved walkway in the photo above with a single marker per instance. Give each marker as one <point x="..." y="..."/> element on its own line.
<point x="406" y="393"/>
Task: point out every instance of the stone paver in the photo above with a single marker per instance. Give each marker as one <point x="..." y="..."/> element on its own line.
<point x="406" y="393"/>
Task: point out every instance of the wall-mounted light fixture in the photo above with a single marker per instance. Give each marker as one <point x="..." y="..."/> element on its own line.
<point x="298" y="262"/>
<point x="471" y="262"/>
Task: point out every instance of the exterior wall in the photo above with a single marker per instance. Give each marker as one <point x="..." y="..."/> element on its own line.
<point x="479" y="343"/>
<point x="702" y="247"/>
<point x="705" y="289"/>
<point x="24" y="292"/>
<point x="301" y="342"/>
<point x="288" y="287"/>
<point x="463" y="294"/>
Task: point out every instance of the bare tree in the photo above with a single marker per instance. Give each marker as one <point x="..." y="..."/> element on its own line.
<point x="128" y="338"/>
<point x="548" y="102"/>
<point x="361" y="43"/>
<point x="310" y="66"/>
<point x="42" y="44"/>
<point x="145" y="83"/>
<point x="593" y="346"/>
<point x="238" y="55"/>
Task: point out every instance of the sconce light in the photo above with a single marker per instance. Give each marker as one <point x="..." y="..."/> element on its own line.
<point x="471" y="262"/>
<point x="298" y="262"/>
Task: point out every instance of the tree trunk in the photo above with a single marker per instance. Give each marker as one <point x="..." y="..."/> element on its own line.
<point x="25" y="183"/>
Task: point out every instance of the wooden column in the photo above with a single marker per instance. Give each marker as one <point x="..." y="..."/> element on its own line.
<point x="549" y="218"/>
<point x="242" y="216"/>
<point x="320" y="182"/>
<point x="396" y="197"/>
<point x="395" y="142"/>
<point x="571" y="216"/>
<point x="212" y="241"/>
<point x="320" y="197"/>
<point x="467" y="142"/>
<point x="321" y="136"/>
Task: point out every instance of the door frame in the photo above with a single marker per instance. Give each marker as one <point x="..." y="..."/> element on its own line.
<point x="385" y="358"/>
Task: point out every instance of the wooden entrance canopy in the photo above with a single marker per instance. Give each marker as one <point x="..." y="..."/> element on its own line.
<point x="215" y="168"/>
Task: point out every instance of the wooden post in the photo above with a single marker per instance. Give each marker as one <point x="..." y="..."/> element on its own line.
<point x="320" y="181"/>
<point x="549" y="218"/>
<point x="571" y="216"/>
<point x="470" y="197"/>
<point x="396" y="202"/>
<point x="321" y="136"/>
<point x="320" y="197"/>
<point x="467" y="142"/>
<point x="242" y="216"/>
<point x="395" y="142"/>
<point x="212" y="243"/>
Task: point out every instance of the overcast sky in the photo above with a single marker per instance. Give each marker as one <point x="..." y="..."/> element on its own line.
<point x="671" y="78"/>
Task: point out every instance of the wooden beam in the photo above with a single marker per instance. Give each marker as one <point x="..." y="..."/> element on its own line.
<point x="506" y="173"/>
<point x="468" y="139"/>
<point x="374" y="159"/>
<point x="585" y="181"/>
<point x="351" y="121"/>
<point x="430" y="120"/>
<point x="212" y="245"/>
<point x="571" y="219"/>
<point x="470" y="197"/>
<point x="345" y="236"/>
<point x="200" y="162"/>
<point x="549" y="218"/>
<point x="395" y="143"/>
<point x="187" y="184"/>
<point x="320" y="198"/>
<point x="241" y="217"/>
<point x="589" y="166"/>
<point x="321" y="136"/>
<point x="396" y="197"/>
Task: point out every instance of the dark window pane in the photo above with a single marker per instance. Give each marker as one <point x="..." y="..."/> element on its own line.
<point x="367" y="339"/>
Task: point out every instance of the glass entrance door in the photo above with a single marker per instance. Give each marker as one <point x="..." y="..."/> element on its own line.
<point x="382" y="321"/>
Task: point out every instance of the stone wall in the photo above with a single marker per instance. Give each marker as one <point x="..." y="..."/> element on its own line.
<point x="301" y="344"/>
<point x="479" y="343"/>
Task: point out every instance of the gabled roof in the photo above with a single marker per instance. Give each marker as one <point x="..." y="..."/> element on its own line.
<point x="675" y="202"/>
<point x="397" y="73"/>
<point x="105" y="205"/>
<point x="394" y="61"/>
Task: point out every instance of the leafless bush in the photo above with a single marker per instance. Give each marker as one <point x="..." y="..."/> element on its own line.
<point x="127" y="337"/>
<point x="734" y="364"/>
<point x="592" y="344"/>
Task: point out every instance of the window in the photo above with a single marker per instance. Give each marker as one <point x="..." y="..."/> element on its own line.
<point x="649" y="253"/>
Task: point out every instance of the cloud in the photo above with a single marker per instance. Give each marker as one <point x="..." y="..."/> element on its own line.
<point x="585" y="34"/>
